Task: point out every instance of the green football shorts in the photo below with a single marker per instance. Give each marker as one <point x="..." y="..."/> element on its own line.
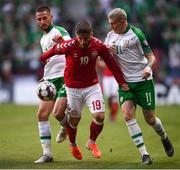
<point x="60" y="86"/>
<point x="141" y="93"/>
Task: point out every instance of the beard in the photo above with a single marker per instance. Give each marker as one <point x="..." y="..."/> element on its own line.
<point x="44" y="28"/>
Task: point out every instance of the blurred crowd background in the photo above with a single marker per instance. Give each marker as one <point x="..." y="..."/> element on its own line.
<point x="19" y="35"/>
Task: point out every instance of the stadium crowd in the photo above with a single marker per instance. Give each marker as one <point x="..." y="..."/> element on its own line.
<point x="19" y="34"/>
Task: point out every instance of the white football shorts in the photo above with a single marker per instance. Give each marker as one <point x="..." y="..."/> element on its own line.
<point x="91" y="96"/>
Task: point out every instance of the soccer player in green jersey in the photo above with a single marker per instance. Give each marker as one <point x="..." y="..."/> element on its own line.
<point x="134" y="56"/>
<point x="54" y="72"/>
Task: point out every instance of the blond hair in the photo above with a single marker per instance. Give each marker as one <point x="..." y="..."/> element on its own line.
<point x="117" y="13"/>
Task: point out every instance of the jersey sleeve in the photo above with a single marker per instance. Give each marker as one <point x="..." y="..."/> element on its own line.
<point x="62" y="48"/>
<point x="142" y="40"/>
<point x="49" y="53"/>
<point x="111" y="64"/>
<point x="63" y="32"/>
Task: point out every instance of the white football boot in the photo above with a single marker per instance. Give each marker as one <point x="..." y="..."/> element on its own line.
<point x="44" y="158"/>
<point x="61" y="136"/>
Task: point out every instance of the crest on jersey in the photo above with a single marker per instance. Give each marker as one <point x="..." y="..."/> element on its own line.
<point x="94" y="54"/>
<point x="126" y="44"/>
<point x="75" y="55"/>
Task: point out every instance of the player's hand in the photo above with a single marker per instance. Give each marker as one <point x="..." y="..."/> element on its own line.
<point x="58" y="39"/>
<point x="146" y="72"/>
<point x="45" y="62"/>
<point x="125" y="87"/>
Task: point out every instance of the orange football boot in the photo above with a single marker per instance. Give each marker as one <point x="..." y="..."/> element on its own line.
<point x="94" y="149"/>
<point x="76" y="152"/>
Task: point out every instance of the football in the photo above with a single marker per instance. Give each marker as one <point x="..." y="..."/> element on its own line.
<point x="46" y="91"/>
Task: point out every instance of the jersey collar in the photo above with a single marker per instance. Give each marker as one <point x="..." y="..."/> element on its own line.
<point x="50" y="28"/>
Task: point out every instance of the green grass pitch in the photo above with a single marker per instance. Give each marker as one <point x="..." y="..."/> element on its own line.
<point x="20" y="145"/>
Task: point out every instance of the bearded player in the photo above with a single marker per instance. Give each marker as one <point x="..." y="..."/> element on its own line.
<point x="53" y="72"/>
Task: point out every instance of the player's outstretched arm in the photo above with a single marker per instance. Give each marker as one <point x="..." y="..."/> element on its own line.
<point x="51" y="52"/>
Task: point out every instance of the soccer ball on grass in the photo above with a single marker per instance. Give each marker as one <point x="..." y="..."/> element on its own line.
<point x="46" y="91"/>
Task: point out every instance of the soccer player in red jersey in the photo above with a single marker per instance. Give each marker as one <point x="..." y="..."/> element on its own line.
<point x="82" y="83"/>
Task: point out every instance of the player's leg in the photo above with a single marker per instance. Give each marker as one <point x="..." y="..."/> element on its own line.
<point x="95" y="102"/>
<point x="95" y="130"/>
<point x="110" y="89"/>
<point x="127" y="102"/>
<point x="59" y="113"/>
<point x="114" y="106"/>
<point x="147" y="101"/>
<point x="71" y="129"/>
<point x="75" y="106"/>
<point x="60" y="107"/>
<point x="157" y="125"/>
<point x="43" y="113"/>
<point x="128" y="109"/>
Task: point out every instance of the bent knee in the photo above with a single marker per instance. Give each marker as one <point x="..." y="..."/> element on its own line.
<point x="128" y="116"/>
<point x="59" y="113"/>
<point x="43" y="115"/>
<point x="99" y="117"/>
<point x="150" y="120"/>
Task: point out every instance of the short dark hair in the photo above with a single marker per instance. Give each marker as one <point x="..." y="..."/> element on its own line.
<point x="83" y="27"/>
<point x="43" y="8"/>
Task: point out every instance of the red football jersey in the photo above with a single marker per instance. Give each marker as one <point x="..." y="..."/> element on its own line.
<point x="80" y="71"/>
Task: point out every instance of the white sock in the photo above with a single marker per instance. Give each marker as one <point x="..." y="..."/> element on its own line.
<point x="158" y="127"/>
<point x="136" y="135"/>
<point x="45" y="137"/>
<point x="47" y="148"/>
<point x="91" y="141"/>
